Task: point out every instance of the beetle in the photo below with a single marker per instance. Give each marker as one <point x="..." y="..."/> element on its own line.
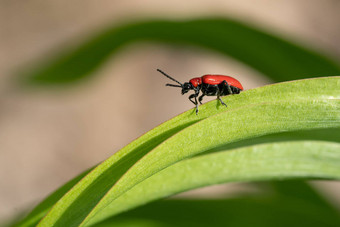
<point x="209" y="85"/>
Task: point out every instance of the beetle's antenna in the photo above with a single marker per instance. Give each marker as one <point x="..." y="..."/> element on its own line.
<point x="172" y="85"/>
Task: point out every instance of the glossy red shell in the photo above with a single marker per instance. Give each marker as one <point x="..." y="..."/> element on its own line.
<point x="217" y="79"/>
<point x="196" y="81"/>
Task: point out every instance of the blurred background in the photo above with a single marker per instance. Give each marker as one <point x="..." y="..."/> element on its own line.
<point x="47" y="136"/>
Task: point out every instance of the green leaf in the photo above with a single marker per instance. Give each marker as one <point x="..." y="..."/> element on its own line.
<point x="40" y="211"/>
<point x="299" y="189"/>
<point x="260" y="162"/>
<point x="275" y="57"/>
<point x="260" y="210"/>
<point x="297" y="105"/>
<point x="296" y="189"/>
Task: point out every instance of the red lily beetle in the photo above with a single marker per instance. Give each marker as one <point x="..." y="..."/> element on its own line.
<point x="209" y="85"/>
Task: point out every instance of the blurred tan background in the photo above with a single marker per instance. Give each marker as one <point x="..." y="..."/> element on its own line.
<point x="49" y="136"/>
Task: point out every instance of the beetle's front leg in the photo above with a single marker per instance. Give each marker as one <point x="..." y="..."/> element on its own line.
<point x="194" y="102"/>
<point x="193" y="96"/>
<point x="201" y="98"/>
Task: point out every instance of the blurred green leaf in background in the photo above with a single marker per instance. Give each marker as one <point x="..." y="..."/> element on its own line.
<point x="275" y="57"/>
<point x="283" y="131"/>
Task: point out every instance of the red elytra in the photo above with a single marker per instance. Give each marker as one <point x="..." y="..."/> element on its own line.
<point x="217" y="79"/>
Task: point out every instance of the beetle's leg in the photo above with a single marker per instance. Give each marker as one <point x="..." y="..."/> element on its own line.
<point x="197" y="92"/>
<point x="219" y="98"/>
<point x="193" y="96"/>
<point x="219" y="92"/>
<point x="201" y="98"/>
<point x="194" y="102"/>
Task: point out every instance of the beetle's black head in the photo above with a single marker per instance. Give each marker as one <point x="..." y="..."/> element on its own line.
<point x="187" y="86"/>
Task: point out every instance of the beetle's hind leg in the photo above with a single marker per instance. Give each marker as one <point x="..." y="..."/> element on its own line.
<point x="224" y="89"/>
<point x="219" y="98"/>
